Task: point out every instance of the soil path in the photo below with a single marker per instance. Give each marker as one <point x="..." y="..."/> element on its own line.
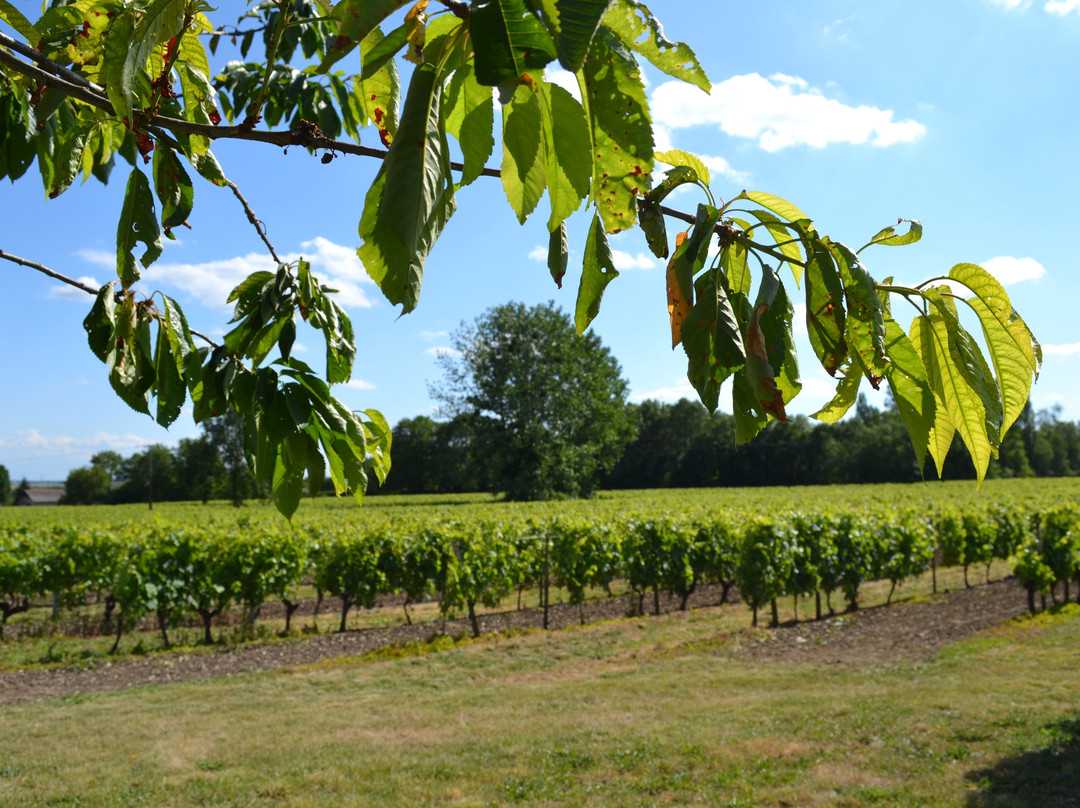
<point x="869" y="637"/>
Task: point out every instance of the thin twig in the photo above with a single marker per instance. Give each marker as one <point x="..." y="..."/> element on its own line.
<point x="255" y="221"/>
<point x="52" y="273"/>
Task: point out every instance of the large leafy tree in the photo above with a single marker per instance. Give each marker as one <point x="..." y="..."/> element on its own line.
<point x="94" y="82"/>
<point x="547" y="408"/>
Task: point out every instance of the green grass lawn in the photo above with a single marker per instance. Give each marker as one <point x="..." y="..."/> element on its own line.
<point x="629" y="713"/>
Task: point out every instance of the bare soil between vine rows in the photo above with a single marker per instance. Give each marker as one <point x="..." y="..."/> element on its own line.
<point x="879" y="636"/>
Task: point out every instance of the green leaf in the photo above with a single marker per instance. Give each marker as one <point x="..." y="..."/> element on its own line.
<point x="639" y="30"/>
<point x="523" y="172"/>
<point x="507" y="40"/>
<point x="776" y="326"/>
<point x="209" y="168"/>
<point x="174" y="323"/>
<point x="598" y="271"/>
<point x="100" y="323"/>
<point x="558" y="253"/>
<point x="470" y="116"/>
<point x="173" y="186"/>
<point x="340" y="342"/>
<point x="377" y="90"/>
<point x="711" y="338"/>
<point x="137" y="224"/>
<point x="781" y="207"/>
<point x="378" y="445"/>
<point x="287" y="486"/>
<point x="690" y="256"/>
<point x="942" y="430"/>
<point x="825" y="317"/>
<point x="578" y="21"/>
<point x="13" y="17"/>
<point x="60" y="145"/>
<point x="865" y="324"/>
<point x="567" y="158"/>
<point x="193" y="67"/>
<point x="114" y="62"/>
<point x="785" y="240"/>
<point x="621" y="133"/>
<point x="169" y="383"/>
<point x="1010" y="346"/>
<point x="133" y="35"/>
<point x="131" y="364"/>
<point x="652" y="220"/>
<point x="356" y="19"/>
<point x="888" y="237"/>
<point x="910" y="388"/>
<point x="847" y="392"/>
<point x="684" y="159"/>
<point x="766" y="346"/>
<point x="962" y="381"/>
<point x="399" y="229"/>
<point x="735" y="263"/>
<point x="746" y="409"/>
<point x="993" y="294"/>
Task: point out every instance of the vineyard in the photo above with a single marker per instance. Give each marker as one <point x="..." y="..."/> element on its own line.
<point x="190" y="563"/>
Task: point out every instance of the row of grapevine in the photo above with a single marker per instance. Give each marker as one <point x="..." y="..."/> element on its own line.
<point x="174" y="573"/>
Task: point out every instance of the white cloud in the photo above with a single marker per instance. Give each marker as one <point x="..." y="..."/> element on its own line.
<point x="442" y="350"/>
<point x="359" y="384"/>
<point x="1011" y="270"/>
<point x="816" y="392"/>
<point x="1070" y="349"/>
<point x="668" y="395"/>
<point x="299" y="347"/>
<point x="430" y="335"/>
<point x="779" y="112"/>
<point x="565" y="79"/>
<point x="81" y="382"/>
<point x="65" y="292"/>
<point x="99" y="258"/>
<point x="718" y="165"/>
<point x="1062" y="7"/>
<point x="1012" y="3"/>
<point x="624" y="260"/>
<point x="838" y="28"/>
<point x="210" y="282"/>
<point x="63" y="445"/>
<point x="798" y="325"/>
<point x="538" y="253"/>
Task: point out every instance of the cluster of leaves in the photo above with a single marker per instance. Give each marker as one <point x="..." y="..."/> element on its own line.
<point x="133" y="78"/>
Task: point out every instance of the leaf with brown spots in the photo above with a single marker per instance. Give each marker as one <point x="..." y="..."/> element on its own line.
<point x="679" y="305"/>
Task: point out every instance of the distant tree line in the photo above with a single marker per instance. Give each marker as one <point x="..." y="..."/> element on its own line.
<point x="681" y="445"/>
<point x="211" y="466"/>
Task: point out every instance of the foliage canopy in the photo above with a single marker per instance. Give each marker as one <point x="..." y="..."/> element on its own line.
<point x="92" y="80"/>
<point x="546" y="408"/>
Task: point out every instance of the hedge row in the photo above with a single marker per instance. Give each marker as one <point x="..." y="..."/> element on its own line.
<point x="174" y="573"/>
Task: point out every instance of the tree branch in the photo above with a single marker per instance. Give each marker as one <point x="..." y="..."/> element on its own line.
<point x="52" y="273"/>
<point x="309" y="137"/>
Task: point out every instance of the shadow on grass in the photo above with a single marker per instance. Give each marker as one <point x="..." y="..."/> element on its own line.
<point x="1044" y="778"/>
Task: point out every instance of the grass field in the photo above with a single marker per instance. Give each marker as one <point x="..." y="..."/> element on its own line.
<point x="636" y="712"/>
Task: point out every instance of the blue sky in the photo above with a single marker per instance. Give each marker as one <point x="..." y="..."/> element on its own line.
<point x="960" y="114"/>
